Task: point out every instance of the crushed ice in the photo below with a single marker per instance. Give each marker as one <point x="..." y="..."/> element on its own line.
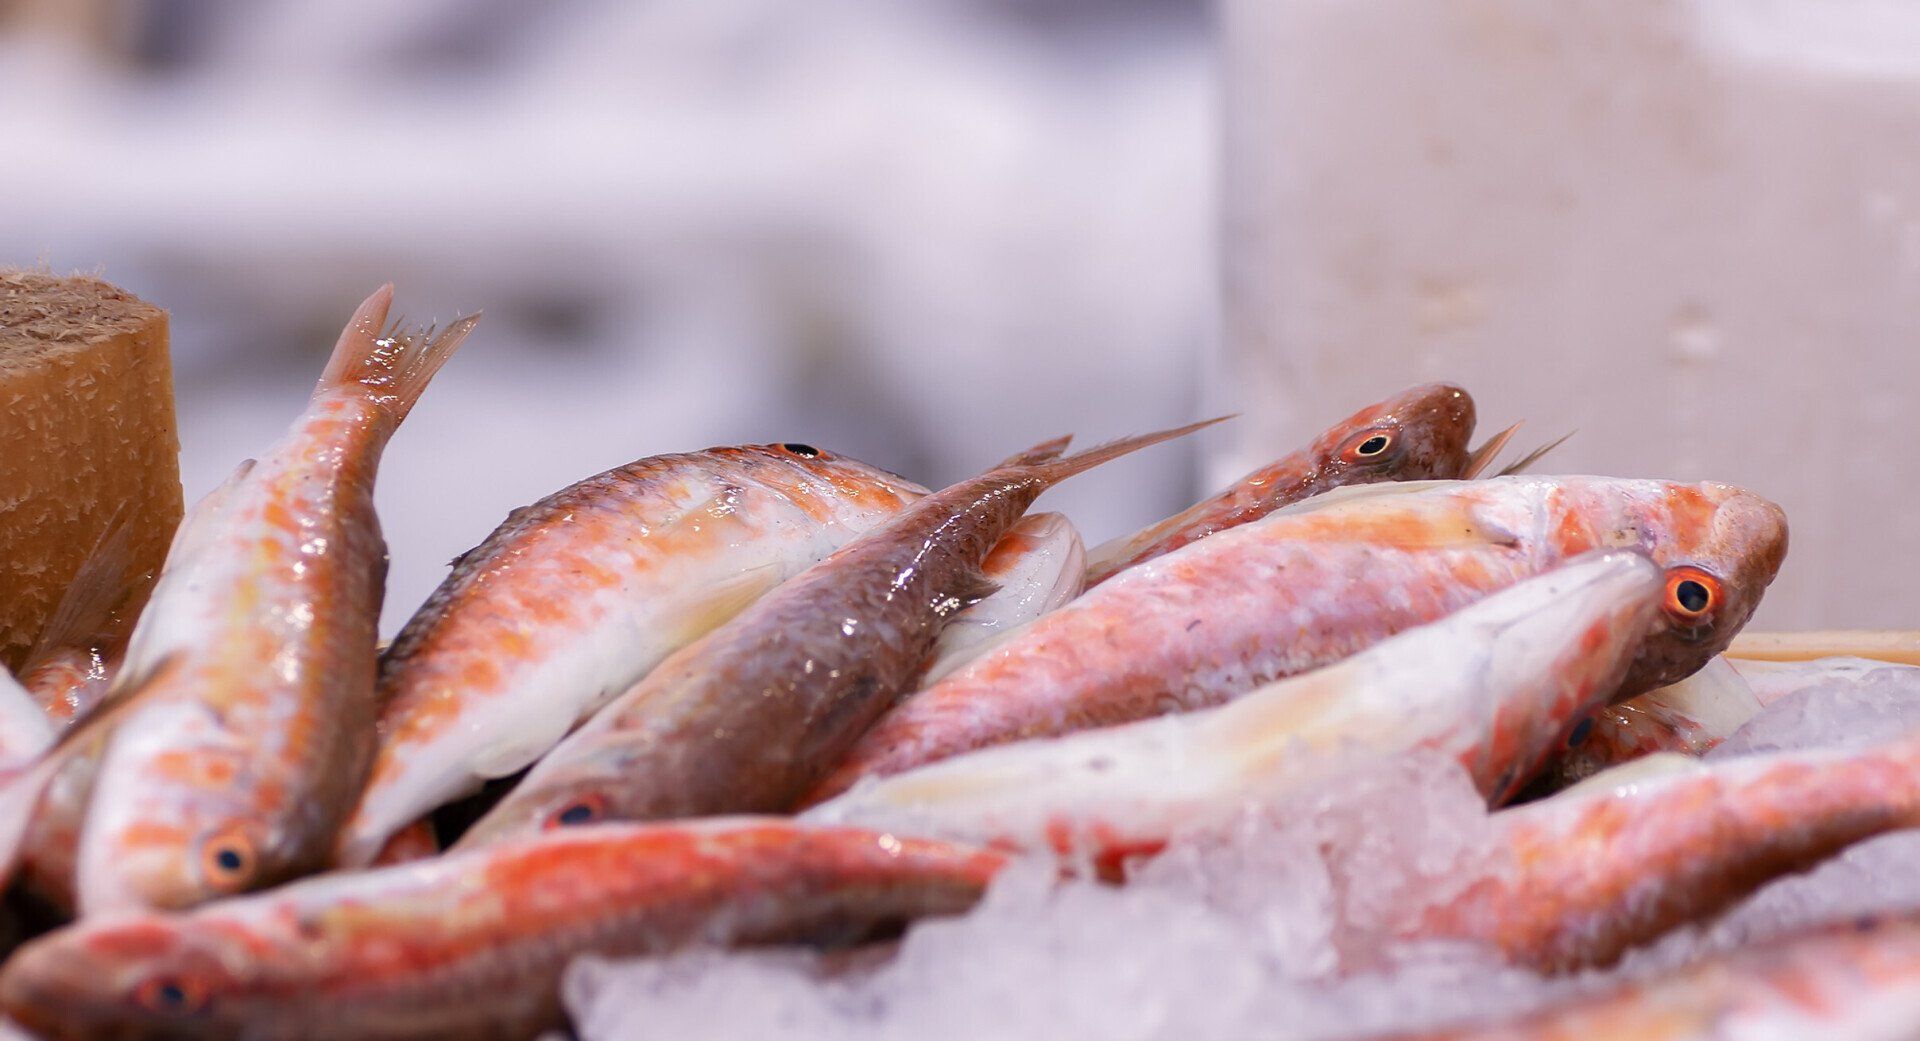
<point x="1279" y="928"/>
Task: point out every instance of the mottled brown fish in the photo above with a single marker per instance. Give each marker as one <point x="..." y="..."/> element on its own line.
<point x="1416" y="435"/>
<point x="752" y="715"/>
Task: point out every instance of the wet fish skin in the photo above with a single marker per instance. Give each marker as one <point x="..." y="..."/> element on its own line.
<point x="238" y="770"/>
<point x="1038" y="566"/>
<point x="1319" y="581"/>
<point x="1426" y="429"/>
<point x="1493" y="686"/>
<point x="1850" y="981"/>
<point x="576" y="597"/>
<point x="1591" y="872"/>
<point x="471" y="946"/>
<point x="752" y="715"/>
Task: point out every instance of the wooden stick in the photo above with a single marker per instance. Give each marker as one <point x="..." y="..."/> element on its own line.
<point x="1900" y="646"/>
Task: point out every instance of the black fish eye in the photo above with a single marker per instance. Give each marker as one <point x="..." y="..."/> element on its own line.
<point x="1580" y="732"/>
<point x="229" y="859"/>
<point x="803" y="451"/>
<point x="1692" y="595"/>
<point x="169" y="995"/>
<point x="1373" y="445"/>
<point x="578" y="813"/>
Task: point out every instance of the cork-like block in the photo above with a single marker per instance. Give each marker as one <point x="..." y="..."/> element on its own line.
<point x="87" y="431"/>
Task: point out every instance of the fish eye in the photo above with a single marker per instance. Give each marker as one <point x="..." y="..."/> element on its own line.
<point x="584" y="810"/>
<point x="228" y="861"/>
<point x="171" y="995"/>
<point x="1581" y="731"/>
<point x="1692" y="594"/>
<point x="803" y="451"/>
<point x="1370" y="444"/>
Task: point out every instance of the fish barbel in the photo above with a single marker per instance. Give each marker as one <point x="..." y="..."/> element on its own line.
<point x="238" y="773"/>
<point x="574" y="598"/>
<point x="1416" y="435"/>
<point x="1322" y="579"/>
<point x="1851" y="981"/>
<point x="471" y="946"/>
<point x="755" y="713"/>
<point x="1620" y="859"/>
<point x="1493" y="686"/>
<point x="1037" y="566"/>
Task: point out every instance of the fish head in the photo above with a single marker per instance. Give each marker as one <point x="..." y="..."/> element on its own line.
<point x="806" y="474"/>
<point x="138" y="976"/>
<point x="1719" y="547"/>
<point x="173" y="824"/>
<point x="1418" y="434"/>
<point x="587" y="791"/>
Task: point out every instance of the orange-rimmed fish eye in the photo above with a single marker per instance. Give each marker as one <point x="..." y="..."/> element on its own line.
<point x="585" y="809"/>
<point x="1367" y="445"/>
<point x="172" y="995"/>
<point x="228" y="860"/>
<point x="803" y="451"/>
<point x="1692" y="594"/>
<point x="1580" y="732"/>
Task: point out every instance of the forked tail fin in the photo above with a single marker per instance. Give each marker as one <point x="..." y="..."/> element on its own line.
<point x="394" y="364"/>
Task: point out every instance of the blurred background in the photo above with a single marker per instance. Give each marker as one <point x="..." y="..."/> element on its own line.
<point x="930" y="233"/>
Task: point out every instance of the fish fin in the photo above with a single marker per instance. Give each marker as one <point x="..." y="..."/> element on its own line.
<point x="718" y="603"/>
<point x="1045" y="451"/>
<point x="1480" y="458"/>
<point x="1054" y="470"/>
<point x="968" y="589"/>
<point x="1534" y="456"/>
<point x="81" y="618"/>
<point x="21" y="790"/>
<point x="394" y="365"/>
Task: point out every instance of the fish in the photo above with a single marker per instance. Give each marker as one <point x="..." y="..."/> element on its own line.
<point x="573" y="599"/>
<point x="1494" y="686"/>
<point x="25" y="730"/>
<point x="1320" y="580"/>
<point x="1857" y="980"/>
<point x="1695" y="715"/>
<point x="471" y="946"/>
<point x="239" y="773"/>
<point x="1580" y="878"/>
<point x="752" y="715"/>
<point x="1417" y="434"/>
<point x="1036" y="567"/>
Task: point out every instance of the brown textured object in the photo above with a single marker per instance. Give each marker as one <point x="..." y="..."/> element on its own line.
<point x="86" y="432"/>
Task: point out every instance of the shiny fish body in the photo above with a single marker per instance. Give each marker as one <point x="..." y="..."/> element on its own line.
<point x="1585" y="875"/>
<point x="1039" y="565"/>
<point x="1416" y="435"/>
<point x="1320" y="581"/>
<point x="471" y="946"/>
<point x="1494" y="686"/>
<point x="236" y="771"/>
<point x="1852" y="981"/>
<point x="25" y="730"/>
<point x="576" y="597"/>
<point x="751" y="716"/>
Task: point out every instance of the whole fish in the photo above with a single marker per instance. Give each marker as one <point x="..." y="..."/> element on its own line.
<point x="1693" y="716"/>
<point x="1323" y="579"/>
<point x="751" y="716"/>
<point x="1581" y="877"/>
<point x="574" y="598"/>
<point x="1037" y="566"/>
<point x="1495" y="686"/>
<point x="1850" y="981"/>
<point x="238" y="773"/>
<point x="470" y="947"/>
<point x="1416" y="435"/>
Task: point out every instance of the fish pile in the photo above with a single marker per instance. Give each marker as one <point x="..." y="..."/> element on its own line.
<point x="768" y="696"/>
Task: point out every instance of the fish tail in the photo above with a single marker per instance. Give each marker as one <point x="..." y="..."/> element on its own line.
<point x="1045" y="451"/>
<point x="1054" y="470"/>
<point x="391" y="365"/>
